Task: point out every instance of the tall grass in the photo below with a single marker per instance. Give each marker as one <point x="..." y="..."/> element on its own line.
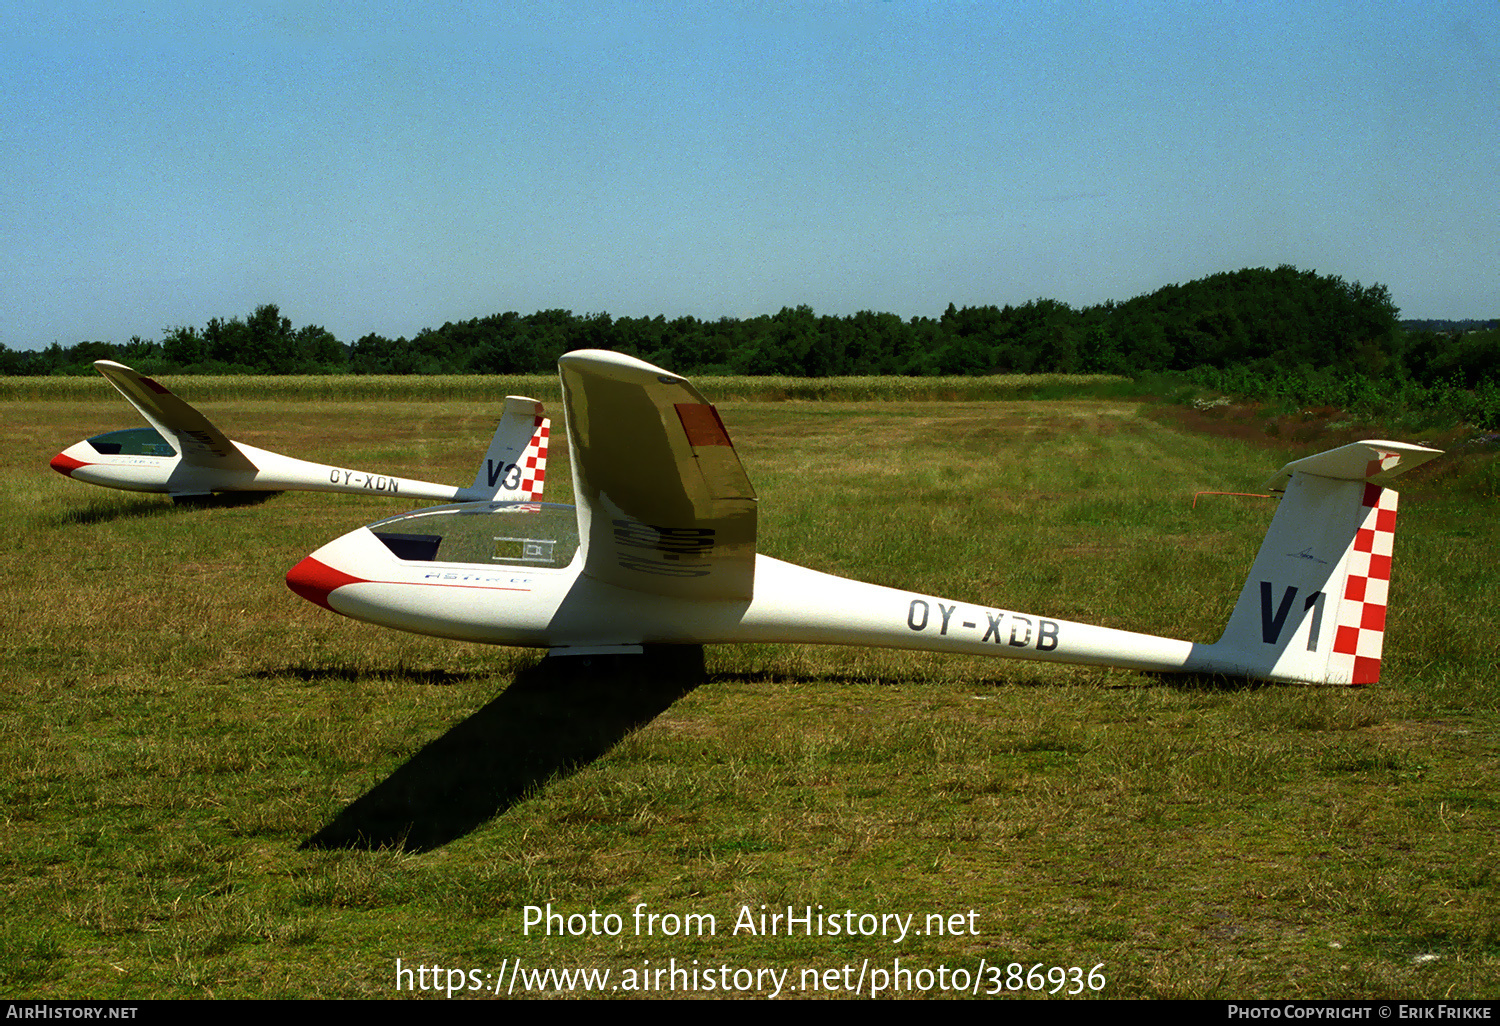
<point x="477" y="388"/>
<point x="1406" y="401"/>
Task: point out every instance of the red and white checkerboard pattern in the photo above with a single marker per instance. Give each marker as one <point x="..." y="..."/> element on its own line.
<point x="1361" y="617"/>
<point x="534" y="462"/>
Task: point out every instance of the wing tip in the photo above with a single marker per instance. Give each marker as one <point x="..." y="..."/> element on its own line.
<point x="620" y="365"/>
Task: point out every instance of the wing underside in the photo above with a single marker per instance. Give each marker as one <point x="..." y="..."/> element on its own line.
<point x="664" y="506"/>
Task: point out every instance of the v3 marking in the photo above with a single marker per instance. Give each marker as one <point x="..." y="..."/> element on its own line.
<point x="511" y="471"/>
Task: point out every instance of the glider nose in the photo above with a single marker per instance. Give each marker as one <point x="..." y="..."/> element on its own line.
<point x="315" y="581"/>
<point x="65" y="464"/>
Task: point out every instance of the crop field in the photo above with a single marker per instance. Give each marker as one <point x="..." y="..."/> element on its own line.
<point x="212" y="788"/>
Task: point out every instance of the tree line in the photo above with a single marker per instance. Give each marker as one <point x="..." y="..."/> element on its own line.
<point x="1281" y="319"/>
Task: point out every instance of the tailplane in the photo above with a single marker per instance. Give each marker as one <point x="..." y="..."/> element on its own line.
<point x="515" y="467"/>
<point x="1313" y="608"/>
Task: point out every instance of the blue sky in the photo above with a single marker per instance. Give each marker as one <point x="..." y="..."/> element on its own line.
<point x="387" y="167"/>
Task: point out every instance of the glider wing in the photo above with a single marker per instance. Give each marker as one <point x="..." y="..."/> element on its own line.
<point x="190" y="432"/>
<point x="664" y="506"/>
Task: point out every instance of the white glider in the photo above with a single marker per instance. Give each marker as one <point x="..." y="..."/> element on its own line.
<point x="661" y="549"/>
<point x="184" y="455"/>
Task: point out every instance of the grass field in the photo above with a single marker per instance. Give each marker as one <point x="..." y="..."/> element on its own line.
<point x="189" y="754"/>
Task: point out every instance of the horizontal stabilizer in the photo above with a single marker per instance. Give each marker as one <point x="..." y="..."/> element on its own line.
<point x="1375" y="461"/>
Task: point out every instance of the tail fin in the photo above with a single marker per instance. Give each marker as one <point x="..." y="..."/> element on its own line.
<point x="1313" y="608"/>
<point x="515" y="466"/>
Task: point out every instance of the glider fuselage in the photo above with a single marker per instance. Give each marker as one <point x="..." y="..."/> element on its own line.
<point x="562" y="608"/>
<point x="183" y="454"/>
<point x="263" y="471"/>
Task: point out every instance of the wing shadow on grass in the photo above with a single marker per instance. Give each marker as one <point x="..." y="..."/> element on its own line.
<point x="102" y="511"/>
<point x="349" y="673"/>
<point x="556" y="718"/>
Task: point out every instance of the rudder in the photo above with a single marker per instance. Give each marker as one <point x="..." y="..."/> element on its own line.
<point x="1359" y="631"/>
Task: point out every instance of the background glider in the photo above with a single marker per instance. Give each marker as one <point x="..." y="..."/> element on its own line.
<point x="184" y="455"/>
<point x="661" y="549"/>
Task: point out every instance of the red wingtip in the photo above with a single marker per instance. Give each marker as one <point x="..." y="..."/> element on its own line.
<point x="65" y="464"/>
<point x="315" y="581"/>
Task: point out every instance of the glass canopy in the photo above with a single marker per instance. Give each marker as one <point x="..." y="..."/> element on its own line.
<point x="528" y="534"/>
<point x="132" y="442"/>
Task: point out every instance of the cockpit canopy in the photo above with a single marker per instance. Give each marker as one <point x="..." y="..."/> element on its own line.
<point x="524" y="534"/>
<point x="132" y="442"/>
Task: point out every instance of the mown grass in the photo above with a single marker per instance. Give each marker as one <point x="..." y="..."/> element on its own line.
<point x="212" y="788"/>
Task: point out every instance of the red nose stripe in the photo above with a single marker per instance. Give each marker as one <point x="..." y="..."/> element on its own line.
<point x="65" y="464"/>
<point x="315" y="581"/>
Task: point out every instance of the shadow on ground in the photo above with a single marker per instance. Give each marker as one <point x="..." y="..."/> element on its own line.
<point x="103" y="511"/>
<point x="349" y="673"/>
<point x="556" y="718"/>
